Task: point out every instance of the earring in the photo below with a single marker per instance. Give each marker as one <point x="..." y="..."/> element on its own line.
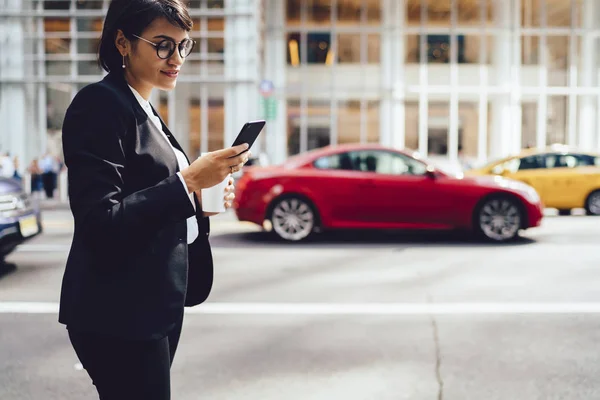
<point x="123" y="62"/>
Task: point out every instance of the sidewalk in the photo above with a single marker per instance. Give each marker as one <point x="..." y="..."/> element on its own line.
<point x="57" y="218"/>
<point x="53" y="204"/>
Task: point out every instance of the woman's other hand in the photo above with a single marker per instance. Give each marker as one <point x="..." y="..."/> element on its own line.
<point x="229" y="193"/>
<point x="228" y="198"/>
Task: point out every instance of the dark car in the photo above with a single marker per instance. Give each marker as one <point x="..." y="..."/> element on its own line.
<point x="19" y="216"/>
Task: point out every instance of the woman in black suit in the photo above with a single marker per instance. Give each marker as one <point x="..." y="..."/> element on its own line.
<point x="140" y="250"/>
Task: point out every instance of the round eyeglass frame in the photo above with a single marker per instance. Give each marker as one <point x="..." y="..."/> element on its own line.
<point x="176" y="45"/>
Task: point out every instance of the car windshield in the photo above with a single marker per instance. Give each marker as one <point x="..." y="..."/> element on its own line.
<point x="443" y="164"/>
<point x="297" y="160"/>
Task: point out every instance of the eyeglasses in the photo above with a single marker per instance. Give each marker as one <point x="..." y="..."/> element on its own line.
<point x="165" y="48"/>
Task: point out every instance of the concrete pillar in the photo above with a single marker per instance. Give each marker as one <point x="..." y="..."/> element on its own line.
<point x="4" y="27"/>
<point x="597" y="140"/>
<point x="275" y="66"/>
<point x="501" y="103"/>
<point x="15" y="132"/>
<point x="241" y="98"/>
<point x="42" y="113"/>
<point x="392" y="109"/>
<point x="515" y="139"/>
<point x="179" y="121"/>
<point x="588" y="68"/>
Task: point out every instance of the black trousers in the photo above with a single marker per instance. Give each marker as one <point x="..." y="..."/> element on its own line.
<point x="49" y="182"/>
<point x="128" y="369"/>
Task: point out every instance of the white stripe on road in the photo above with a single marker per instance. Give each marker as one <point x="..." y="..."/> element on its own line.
<point x="16" y="307"/>
<point x="347" y="308"/>
<point x="44" y="248"/>
<point x="394" y="308"/>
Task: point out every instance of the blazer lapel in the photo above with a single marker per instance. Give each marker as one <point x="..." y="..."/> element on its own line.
<point x="175" y="144"/>
<point x="150" y="131"/>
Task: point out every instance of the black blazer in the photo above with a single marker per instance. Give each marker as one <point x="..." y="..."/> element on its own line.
<point x="130" y="270"/>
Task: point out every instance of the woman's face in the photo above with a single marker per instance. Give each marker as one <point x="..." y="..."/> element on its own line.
<point x="144" y="69"/>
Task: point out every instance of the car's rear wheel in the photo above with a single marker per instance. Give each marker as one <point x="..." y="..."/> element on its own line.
<point x="499" y="218"/>
<point x="592" y="204"/>
<point x="293" y="218"/>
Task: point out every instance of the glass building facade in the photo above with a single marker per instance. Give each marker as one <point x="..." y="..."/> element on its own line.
<point x="48" y="52"/>
<point x="485" y="77"/>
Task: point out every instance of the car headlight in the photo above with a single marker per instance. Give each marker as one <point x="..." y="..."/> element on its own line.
<point x="524" y="189"/>
<point x="527" y="191"/>
<point x="13" y="204"/>
<point x="531" y="194"/>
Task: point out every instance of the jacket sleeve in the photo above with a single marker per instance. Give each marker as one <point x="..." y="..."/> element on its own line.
<point x="200" y="265"/>
<point x="203" y="222"/>
<point x="95" y="128"/>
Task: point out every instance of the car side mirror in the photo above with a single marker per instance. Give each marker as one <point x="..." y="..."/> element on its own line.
<point x="430" y="173"/>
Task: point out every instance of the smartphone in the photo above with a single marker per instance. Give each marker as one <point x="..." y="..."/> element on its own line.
<point x="249" y="133"/>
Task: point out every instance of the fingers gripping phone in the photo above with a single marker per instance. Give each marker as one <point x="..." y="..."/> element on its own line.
<point x="249" y="133"/>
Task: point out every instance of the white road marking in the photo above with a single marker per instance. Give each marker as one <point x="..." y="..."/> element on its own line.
<point x="22" y="307"/>
<point x="347" y="308"/>
<point x="393" y="308"/>
<point x="43" y="248"/>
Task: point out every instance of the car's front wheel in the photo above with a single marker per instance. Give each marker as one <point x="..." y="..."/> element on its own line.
<point x="499" y="218"/>
<point x="592" y="204"/>
<point x="293" y="218"/>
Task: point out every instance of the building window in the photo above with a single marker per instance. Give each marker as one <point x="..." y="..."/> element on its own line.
<point x="57" y="5"/>
<point x="318" y="12"/>
<point x="439" y="51"/>
<point x="358" y="47"/>
<point x="318" y="48"/>
<point x="89" y="4"/>
<point x="192" y="4"/>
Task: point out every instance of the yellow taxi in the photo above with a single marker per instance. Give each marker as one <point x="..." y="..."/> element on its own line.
<point x="563" y="177"/>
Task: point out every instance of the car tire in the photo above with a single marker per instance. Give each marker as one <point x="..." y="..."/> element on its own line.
<point x="293" y="218"/>
<point x="592" y="203"/>
<point x="498" y="218"/>
<point x="564" y="211"/>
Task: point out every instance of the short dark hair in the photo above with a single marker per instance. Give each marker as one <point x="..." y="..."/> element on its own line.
<point x="133" y="17"/>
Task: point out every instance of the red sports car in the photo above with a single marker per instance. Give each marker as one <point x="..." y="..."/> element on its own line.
<point x="370" y="186"/>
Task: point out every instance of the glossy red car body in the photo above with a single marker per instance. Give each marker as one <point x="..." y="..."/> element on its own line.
<point x="364" y="199"/>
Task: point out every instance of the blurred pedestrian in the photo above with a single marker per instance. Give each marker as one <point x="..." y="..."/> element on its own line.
<point x="16" y="174"/>
<point x="50" y="168"/>
<point x="36" y="177"/>
<point x="7" y="166"/>
<point x="140" y="250"/>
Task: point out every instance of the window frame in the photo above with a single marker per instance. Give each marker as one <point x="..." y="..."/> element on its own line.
<point x="378" y="152"/>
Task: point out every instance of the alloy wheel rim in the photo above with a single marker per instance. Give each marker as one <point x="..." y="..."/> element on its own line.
<point x="293" y="219"/>
<point x="500" y="219"/>
<point x="594" y="203"/>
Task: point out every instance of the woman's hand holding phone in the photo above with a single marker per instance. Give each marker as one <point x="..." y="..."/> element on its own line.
<point x="212" y="168"/>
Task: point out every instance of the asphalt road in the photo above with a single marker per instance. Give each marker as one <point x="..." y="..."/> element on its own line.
<point x="362" y="316"/>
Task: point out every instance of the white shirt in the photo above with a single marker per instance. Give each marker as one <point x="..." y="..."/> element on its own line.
<point x="192" y="223"/>
<point x="48" y="164"/>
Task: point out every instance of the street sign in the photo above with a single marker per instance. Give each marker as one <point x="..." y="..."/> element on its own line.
<point x="269" y="107"/>
<point x="266" y="88"/>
